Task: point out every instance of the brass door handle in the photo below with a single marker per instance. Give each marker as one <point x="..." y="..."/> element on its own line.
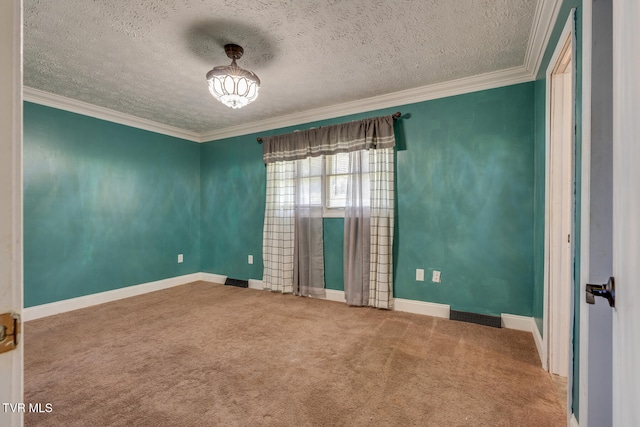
<point x="9" y="330"/>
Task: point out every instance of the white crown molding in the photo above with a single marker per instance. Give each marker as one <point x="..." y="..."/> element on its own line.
<point x="461" y="86"/>
<point x="544" y="19"/>
<point x="79" y="107"/>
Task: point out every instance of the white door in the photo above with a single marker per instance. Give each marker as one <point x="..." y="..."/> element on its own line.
<point x="596" y="321"/>
<point x="626" y="212"/>
<point x="11" y="202"/>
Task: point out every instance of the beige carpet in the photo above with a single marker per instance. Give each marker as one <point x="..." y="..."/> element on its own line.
<point x="207" y="355"/>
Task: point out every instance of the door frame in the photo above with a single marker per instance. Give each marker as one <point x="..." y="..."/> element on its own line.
<point x="568" y="33"/>
<point x="11" y="277"/>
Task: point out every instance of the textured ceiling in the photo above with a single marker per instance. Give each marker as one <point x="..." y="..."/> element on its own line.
<point x="148" y="58"/>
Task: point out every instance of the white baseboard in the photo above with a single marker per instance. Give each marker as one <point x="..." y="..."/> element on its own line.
<point x="527" y="324"/>
<point x="213" y="278"/>
<point x="421" y="307"/>
<point x="573" y="422"/>
<point x="537" y="337"/>
<point x="408" y="306"/>
<point x="44" y="310"/>
<point x="255" y="284"/>
<point x="519" y="323"/>
<point x="333" y="295"/>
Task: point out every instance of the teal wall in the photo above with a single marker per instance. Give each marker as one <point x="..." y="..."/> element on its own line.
<point x="465" y="201"/>
<point x="465" y="186"/>
<point x="540" y="100"/>
<point x="539" y="203"/>
<point x="233" y="190"/>
<point x="108" y="206"/>
<point x="105" y="205"/>
<point x="334" y="253"/>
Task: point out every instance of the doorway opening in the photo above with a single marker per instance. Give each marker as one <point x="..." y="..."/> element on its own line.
<point x="560" y="207"/>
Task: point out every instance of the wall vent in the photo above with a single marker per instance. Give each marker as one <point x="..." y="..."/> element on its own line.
<point x="480" y="319"/>
<point x="237" y="282"/>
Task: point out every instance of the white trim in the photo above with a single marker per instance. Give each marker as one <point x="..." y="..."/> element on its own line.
<point x="491" y="80"/>
<point x="544" y="19"/>
<point x="542" y="349"/>
<point x="213" y="278"/>
<point x="332" y="213"/>
<point x="421" y="307"/>
<point x="519" y="323"/>
<point x="568" y="29"/>
<point x="527" y="324"/>
<point x="585" y="208"/>
<point x="461" y="86"/>
<point x="255" y="284"/>
<point x="67" y="104"/>
<point x="334" y="295"/>
<point x="44" y="310"/>
<point x="405" y="305"/>
<point x="573" y="422"/>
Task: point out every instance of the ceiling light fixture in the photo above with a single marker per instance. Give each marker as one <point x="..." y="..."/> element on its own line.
<point x="232" y="85"/>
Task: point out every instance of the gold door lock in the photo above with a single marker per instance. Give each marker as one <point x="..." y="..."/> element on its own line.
<point x="9" y="330"/>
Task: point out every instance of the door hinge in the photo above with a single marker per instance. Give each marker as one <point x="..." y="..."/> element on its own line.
<point x="568" y="238"/>
<point x="9" y="330"/>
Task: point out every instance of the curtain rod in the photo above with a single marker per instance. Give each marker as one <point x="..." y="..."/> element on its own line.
<point x="395" y="117"/>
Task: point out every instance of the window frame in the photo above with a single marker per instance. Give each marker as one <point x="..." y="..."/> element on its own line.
<point x="325" y="178"/>
<point x="329" y="212"/>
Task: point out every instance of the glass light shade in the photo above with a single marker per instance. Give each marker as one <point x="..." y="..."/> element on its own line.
<point x="233" y="86"/>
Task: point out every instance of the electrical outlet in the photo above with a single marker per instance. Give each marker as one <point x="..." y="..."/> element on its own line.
<point x="419" y="275"/>
<point x="436" y="276"/>
<point x="180" y="258"/>
<point x="250" y="259"/>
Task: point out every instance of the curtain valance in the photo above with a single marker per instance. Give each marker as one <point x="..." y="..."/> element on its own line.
<point x="376" y="132"/>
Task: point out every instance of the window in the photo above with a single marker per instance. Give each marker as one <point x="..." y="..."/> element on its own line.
<point x="310" y="181"/>
<point x="324" y="182"/>
<point x="337" y="175"/>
